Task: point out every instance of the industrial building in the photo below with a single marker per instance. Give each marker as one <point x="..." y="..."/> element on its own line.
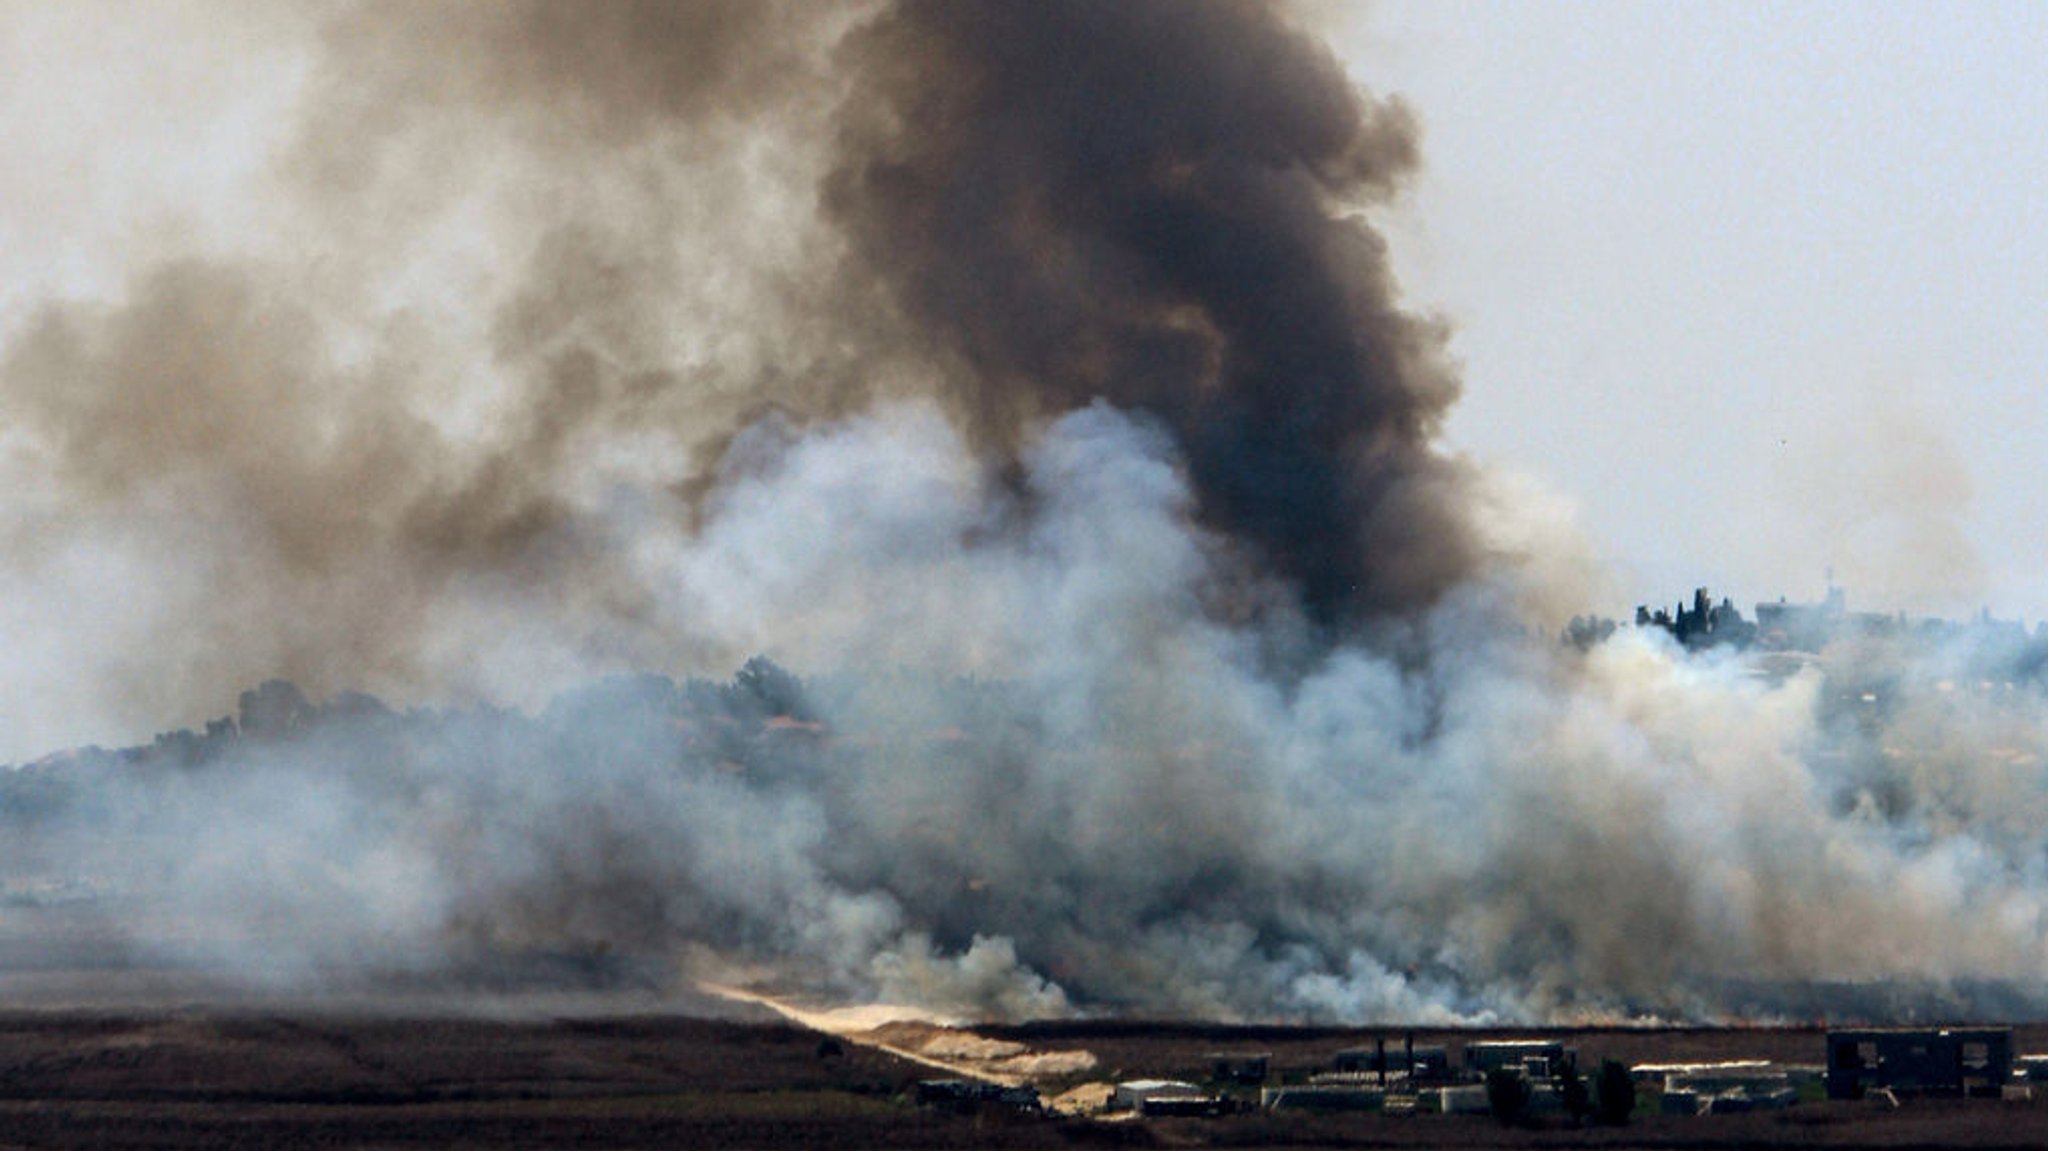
<point x="1966" y="1061"/>
<point x="1536" y="1058"/>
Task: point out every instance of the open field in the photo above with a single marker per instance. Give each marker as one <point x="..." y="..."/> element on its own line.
<point x="221" y="1078"/>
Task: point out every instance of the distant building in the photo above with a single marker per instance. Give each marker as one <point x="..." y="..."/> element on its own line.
<point x="1182" y="1107"/>
<point x="1402" y="1061"/>
<point x="969" y="1095"/>
<point x="1464" y="1099"/>
<point x="1245" y="1067"/>
<point x="1323" y="1097"/>
<point x="1932" y="1061"/>
<point x="1535" y="1058"/>
<point x="1133" y="1094"/>
<point x="1807" y="627"/>
<point x="1724" y="1087"/>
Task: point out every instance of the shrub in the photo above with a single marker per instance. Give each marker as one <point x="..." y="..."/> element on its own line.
<point x="1615" y="1092"/>
<point x="1578" y="1102"/>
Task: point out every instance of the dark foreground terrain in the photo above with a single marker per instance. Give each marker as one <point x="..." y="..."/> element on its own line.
<point x="215" y="1078"/>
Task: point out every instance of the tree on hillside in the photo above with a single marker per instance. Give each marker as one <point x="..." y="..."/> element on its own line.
<point x="274" y="710"/>
<point x="762" y="687"/>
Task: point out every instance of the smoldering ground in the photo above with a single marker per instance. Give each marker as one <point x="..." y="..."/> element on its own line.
<point x="1029" y="380"/>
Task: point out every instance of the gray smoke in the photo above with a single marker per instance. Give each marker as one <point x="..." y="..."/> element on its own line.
<point x="1030" y="380"/>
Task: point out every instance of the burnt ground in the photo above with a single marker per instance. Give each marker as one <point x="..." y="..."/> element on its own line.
<point x="302" y="1079"/>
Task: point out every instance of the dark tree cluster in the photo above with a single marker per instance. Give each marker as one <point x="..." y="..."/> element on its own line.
<point x="1707" y="624"/>
<point x="275" y="722"/>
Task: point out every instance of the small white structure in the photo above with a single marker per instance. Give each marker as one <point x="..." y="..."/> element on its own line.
<point x="1469" y="1099"/>
<point x="1322" y="1096"/>
<point x="1132" y="1094"/>
<point x="1726" y="1088"/>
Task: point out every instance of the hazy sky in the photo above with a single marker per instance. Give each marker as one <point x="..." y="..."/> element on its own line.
<point x="1761" y="289"/>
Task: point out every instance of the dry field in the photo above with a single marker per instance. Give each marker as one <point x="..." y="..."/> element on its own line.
<point x="303" y="1079"/>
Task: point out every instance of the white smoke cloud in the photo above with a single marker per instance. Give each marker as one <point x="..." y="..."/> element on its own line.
<point x="536" y="405"/>
<point x="1152" y="817"/>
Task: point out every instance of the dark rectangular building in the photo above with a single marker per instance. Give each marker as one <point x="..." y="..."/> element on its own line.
<point x="1967" y="1061"/>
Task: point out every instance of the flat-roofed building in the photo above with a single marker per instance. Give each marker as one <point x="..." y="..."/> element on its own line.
<point x="1971" y="1061"/>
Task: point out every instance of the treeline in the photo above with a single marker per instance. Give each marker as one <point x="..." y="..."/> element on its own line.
<point x="717" y="722"/>
<point x="765" y="724"/>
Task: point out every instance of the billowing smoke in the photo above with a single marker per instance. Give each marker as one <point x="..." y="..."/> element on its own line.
<point x="1156" y="205"/>
<point x="1027" y="383"/>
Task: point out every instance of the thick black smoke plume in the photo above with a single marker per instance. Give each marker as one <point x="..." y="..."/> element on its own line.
<point x="1158" y="204"/>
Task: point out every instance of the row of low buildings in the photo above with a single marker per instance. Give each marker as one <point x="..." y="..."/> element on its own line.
<point x="1400" y="1076"/>
<point x="1967" y="1062"/>
<point x="1406" y="1077"/>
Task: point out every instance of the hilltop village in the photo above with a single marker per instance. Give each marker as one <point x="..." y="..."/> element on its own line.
<point x="2002" y="649"/>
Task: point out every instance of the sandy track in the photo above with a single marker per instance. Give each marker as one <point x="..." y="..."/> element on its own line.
<point x="923" y="1038"/>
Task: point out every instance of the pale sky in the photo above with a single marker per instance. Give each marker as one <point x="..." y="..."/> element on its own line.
<point x="1759" y="288"/>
